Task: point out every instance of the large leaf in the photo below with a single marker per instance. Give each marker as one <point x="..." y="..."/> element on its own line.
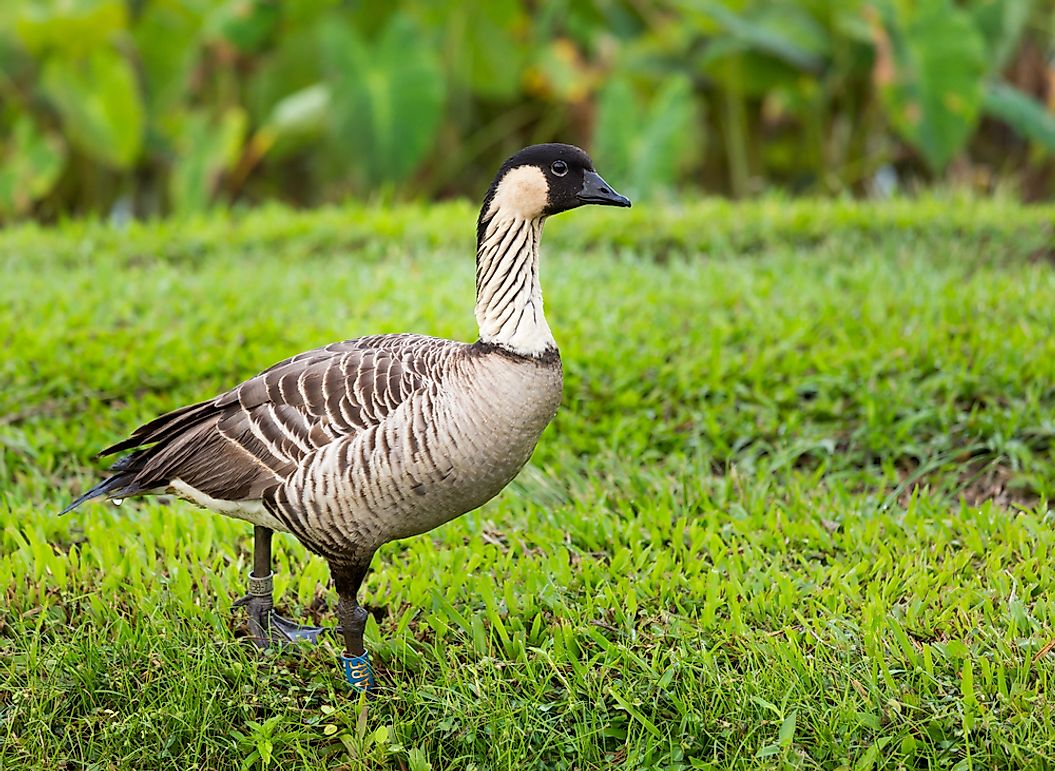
<point x="29" y="166"/>
<point x="668" y="140"/>
<point x="15" y="64"/>
<point x="292" y="65"/>
<point x="1001" y="23"/>
<point x="387" y="98"/>
<point x="615" y="131"/>
<point x="930" y="65"/>
<point x="71" y="27"/>
<point x="99" y="103"/>
<point x="484" y="43"/>
<point x="784" y="32"/>
<point x="206" y="148"/>
<point x="245" y="24"/>
<point x="295" y="120"/>
<point x="167" y="36"/>
<point x="760" y="48"/>
<point x="645" y="145"/>
<point x="1022" y="112"/>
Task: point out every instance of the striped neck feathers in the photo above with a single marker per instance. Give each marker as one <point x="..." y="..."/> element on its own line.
<point x="508" y="294"/>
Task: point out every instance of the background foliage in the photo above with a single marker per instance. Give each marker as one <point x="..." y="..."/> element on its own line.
<point x="140" y="107"/>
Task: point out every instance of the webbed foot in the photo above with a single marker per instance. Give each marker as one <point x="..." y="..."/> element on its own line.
<point x="266" y="627"/>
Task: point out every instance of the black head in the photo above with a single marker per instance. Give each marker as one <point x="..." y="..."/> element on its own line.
<point x="543" y="180"/>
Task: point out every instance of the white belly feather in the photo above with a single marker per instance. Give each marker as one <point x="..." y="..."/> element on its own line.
<point x="250" y="511"/>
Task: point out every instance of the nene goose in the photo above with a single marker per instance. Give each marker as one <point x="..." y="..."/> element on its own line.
<point x="362" y="442"/>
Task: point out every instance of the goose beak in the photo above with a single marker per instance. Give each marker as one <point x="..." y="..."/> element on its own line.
<point x="596" y="190"/>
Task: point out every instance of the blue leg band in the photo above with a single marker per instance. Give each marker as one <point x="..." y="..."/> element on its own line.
<point x="358" y="672"/>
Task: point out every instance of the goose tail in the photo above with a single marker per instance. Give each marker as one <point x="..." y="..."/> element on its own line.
<point x="111" y="488"/>
<point x="120" y="485"/>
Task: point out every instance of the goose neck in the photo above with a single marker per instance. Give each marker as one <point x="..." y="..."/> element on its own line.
<point x="508" y="294"/>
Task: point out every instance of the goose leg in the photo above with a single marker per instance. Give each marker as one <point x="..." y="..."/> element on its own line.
<point x="355" y="661"/>
<point x="265" y="625"/>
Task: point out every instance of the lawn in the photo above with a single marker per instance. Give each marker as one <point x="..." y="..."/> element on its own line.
<point x="793" y="510"/>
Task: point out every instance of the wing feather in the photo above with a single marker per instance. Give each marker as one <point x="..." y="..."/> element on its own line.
<point x="248" y="440"/>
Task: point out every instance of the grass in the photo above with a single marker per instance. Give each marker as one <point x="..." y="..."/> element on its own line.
<point x="793" y="511"/>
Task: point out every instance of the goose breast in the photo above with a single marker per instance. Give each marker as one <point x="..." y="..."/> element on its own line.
<point x="445" y="450"/>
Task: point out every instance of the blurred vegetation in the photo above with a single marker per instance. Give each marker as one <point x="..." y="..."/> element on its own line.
<point x="143" y="107"/>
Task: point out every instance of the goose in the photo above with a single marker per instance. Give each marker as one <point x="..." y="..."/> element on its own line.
<point x="362" y="442"/>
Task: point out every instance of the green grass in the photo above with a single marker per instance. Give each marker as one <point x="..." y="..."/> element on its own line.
<point x="793" y="510"/>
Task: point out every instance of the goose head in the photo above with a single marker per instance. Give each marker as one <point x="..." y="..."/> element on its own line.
<point x="543" y="180"/>
<point x="536" y="183"/>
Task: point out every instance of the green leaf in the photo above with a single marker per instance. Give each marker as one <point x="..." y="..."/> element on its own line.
<point x="1021" y="112"/>
<point x="206" y="149"/>
<point x="265" y="748"/>
<point x="768" y="751"/>
<point x="1001" y="23"/>
<point x="786" y="33"/>
<point x="614" y="132"/>
<point x="31" y="165"/>
<point x="762" y="48"/>
<point x="639" y="716"/>
<point x="967" y="684"/>
<point x="645" y="146"/>
<point x="387" y="98"/>
<point x="292" y="65"/>
<point x="418" y="761"/>
<point x="483" y="43"/>
<point x="167" y="37"/>
<point x="930" y="62"/>
<point x="99" y="103"/>
<point x="666" y="141"/>
<point x="298" y="117"/>
<point x="245" y="24"/>
<point x="786" y="734"/>
<point x="70" y="27"/>
<point x="868" y="759"/>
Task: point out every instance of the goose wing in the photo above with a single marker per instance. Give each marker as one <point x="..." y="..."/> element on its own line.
<point x="244" y="442"/>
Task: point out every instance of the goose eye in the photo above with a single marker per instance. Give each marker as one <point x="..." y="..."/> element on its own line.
<point x="560" y="168"/>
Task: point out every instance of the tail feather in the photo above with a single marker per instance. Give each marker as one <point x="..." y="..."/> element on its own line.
<point x="127" y="479"/>
<point x="110" y="487"/>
